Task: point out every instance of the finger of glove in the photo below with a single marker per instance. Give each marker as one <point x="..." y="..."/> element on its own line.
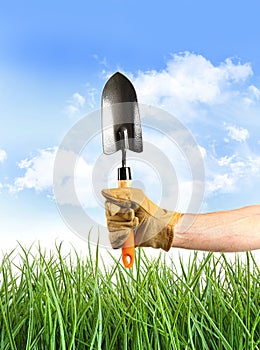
<point x="121" y="222"/>
<point x="113" y="209"/>
<point x="119" y="229"/>
<point x="125" y="197"/>
<point x="118" y="196"/>
<point x="117" y="238"/>
<point x="134" y="198"/>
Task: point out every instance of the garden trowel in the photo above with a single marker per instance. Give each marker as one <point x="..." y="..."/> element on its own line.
<point x="121" y="130"/>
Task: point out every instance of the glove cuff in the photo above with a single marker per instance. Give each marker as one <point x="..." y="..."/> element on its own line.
<point x="170" y="230"/>
<point x="164" y="238"/>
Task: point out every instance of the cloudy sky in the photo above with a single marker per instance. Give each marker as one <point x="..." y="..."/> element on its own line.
<point x="197" y="60"/>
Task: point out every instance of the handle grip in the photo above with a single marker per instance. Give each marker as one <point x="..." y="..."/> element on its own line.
<point x="128" y="249"/>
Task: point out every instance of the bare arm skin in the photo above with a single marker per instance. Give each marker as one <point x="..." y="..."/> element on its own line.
<point x="224" y="231"/>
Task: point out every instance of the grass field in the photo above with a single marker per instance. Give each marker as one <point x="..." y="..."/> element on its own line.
<point x="51" y="301"/>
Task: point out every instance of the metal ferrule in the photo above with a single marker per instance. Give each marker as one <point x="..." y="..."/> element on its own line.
<point x="124" y="173"/>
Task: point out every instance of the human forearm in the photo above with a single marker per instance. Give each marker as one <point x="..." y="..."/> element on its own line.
<point x="225" y="231"/>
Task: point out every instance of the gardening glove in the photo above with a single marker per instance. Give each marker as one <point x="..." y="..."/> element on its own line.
<point x="129" y="209"/>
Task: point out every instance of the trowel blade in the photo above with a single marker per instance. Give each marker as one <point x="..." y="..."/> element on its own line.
<point x="120" y="112"/>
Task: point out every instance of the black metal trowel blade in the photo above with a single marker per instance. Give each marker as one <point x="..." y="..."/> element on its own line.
<point x="120" y="113"/>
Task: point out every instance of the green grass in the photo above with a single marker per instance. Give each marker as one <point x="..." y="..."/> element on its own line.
<point x="51" y="301"/>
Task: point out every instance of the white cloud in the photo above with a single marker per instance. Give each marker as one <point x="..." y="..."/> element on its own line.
<point x="238" y="134"/>
<point x="39" y="177"/>
<point x="224" y="160"/>
<point x="248" y="101"/>
<point x="223" y="183"/>
<point x="190" y="78"/>
<point x="75" y="103"/>
<point x="231" y="173"/>
<point x="208" y="96"/>
<point x="203" y="151"/>
<point x="78" y="102"/>
<point x="91" y="97"/>
<point x="255" y="91"/>
<point x="3" y="155"/>
<point x="71" y="110"/>
<point x="101" y="61"/>
<point x="38" y="172"/>
<point x="78" y="99"/>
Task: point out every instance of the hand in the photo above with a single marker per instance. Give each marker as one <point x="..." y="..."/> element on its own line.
<point x="129" y="209"/>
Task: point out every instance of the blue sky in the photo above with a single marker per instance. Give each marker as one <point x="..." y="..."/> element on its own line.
<point x="198" y="60"/>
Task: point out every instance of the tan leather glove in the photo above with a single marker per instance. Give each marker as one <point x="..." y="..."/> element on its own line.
<point x="129" y="209"/>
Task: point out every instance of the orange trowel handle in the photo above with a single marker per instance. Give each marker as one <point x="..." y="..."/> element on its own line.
<point x="128" y="250"/>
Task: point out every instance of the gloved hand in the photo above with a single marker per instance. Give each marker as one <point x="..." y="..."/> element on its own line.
<point x="129" y="209"/>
